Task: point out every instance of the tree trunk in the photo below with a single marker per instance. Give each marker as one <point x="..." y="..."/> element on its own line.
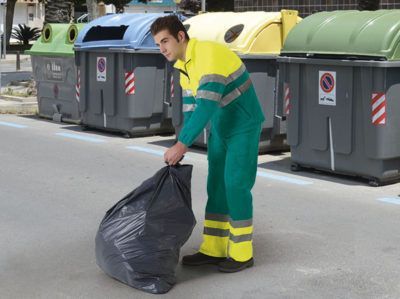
<point x="9" y="19"/>
<point x="119" y="4"/>
<point x="58" y="11"/>
<point x="92" y="9"/>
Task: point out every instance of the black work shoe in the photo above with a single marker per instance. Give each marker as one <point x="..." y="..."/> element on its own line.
<point x="230" y="265"/>
<point x="199" y="258"/>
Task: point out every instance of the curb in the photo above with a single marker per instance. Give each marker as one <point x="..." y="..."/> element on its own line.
<point x="18" y="99"/>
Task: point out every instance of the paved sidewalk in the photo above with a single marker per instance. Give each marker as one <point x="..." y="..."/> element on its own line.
<point x="18" y="99"/>
<point x="14" y="105"/>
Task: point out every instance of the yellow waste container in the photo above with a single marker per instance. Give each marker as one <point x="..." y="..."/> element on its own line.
<point x="254" y="32"/>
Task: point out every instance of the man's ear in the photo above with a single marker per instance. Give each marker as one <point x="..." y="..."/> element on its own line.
<point x="181" y="36"/>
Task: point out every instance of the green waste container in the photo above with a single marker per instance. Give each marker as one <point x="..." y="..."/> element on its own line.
<point x="257" y="37"/>
<point x="54" y="71"/>
<point x="340" y="83"/>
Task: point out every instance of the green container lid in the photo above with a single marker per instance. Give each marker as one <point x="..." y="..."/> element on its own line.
<point x="56" y="40"/>
<point x="350" y="33"/>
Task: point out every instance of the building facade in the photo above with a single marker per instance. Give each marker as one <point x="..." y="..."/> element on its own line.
<point x="28" y="12"/>
<point x="306" y="7"/>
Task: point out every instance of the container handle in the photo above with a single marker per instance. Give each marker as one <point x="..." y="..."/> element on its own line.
<point x="167" y="99"/>
<point x="278" y="106"/>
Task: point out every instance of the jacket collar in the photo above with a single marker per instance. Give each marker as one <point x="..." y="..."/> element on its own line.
<point x="180" y="64"/>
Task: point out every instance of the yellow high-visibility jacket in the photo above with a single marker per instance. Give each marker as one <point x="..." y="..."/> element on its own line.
<point x="216" y="86"/>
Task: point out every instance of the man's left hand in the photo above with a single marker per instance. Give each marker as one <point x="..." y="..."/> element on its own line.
<point x="175" y="153"/>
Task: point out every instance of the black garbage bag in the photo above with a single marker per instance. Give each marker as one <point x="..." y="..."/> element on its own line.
<point x="139" y="238"/>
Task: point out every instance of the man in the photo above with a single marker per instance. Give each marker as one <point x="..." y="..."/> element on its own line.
<point x="217" y="88"/>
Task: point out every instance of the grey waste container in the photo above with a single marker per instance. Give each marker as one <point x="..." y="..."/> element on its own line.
<point x="54" y="71"/>
<point x="263" y="71"/>
<point x="257" y="37"/>
<point x="123" y="76"/>
<point x="340" y="81"/>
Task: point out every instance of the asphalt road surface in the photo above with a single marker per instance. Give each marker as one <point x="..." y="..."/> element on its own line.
<point x="316" y="235"/>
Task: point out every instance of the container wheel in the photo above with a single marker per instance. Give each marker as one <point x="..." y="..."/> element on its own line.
<point x="295" y="167"/>
<point x="374" y="183"/>
<point x="128" y="135"/>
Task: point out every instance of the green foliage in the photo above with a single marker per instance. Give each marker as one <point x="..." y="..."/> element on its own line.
<point x="25" y="33"/>
<point x="220" y="5"/>
<point x="368" y="4"/>
<point x="211" y="5"/>
<point x="119" y="4"/>
<point x="190" y="5"/>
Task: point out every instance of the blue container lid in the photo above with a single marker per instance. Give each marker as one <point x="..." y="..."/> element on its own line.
<point x="128" y="30"/>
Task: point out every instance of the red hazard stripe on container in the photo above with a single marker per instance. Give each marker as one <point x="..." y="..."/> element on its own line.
<point x="78" y="85"/>
<point x="129" y="83"/>
<point x="378" y="105"/>
<point x="172" y="86"/>
<point x="287" y="98"/>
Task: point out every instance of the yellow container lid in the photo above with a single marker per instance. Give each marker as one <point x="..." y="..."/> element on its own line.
<point x="255" y="32"/>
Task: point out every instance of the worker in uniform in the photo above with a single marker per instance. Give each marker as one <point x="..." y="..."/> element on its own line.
<point x="217" y="89"/>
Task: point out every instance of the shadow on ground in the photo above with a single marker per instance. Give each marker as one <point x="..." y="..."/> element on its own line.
<point x="284" y="165"/>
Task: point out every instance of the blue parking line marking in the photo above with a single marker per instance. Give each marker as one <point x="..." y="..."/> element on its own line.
<point x="8" y="124"/>
<point x="393" y="200"/>
<point x="146" y="150"/>
<point x="79" y="137"/>
<point x="283" y="178"/>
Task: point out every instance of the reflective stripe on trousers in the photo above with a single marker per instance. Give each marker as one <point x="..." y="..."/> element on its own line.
<point x="224" y="237"/>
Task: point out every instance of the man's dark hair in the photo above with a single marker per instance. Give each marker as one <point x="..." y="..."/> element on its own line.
<point x="170" y="23"/>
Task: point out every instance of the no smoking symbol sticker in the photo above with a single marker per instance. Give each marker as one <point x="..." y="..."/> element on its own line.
<point x="327" y="82"/>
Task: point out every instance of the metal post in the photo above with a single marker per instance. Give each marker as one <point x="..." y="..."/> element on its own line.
<point x="3" y="6"/>
<point x="1" y="40"/>
<point x="177" y="2"/>
<point x="1" y="54"/>
<point x="203" y="5"/>
<point x="18" y="61"/>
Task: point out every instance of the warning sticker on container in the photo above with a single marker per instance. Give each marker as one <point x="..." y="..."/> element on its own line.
<point x="378" y="105"/>
<point x="101" y="69"/>
<point x="327" y="88"/>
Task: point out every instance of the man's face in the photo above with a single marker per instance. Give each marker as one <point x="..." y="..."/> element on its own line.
<point x="171" y="48"/>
